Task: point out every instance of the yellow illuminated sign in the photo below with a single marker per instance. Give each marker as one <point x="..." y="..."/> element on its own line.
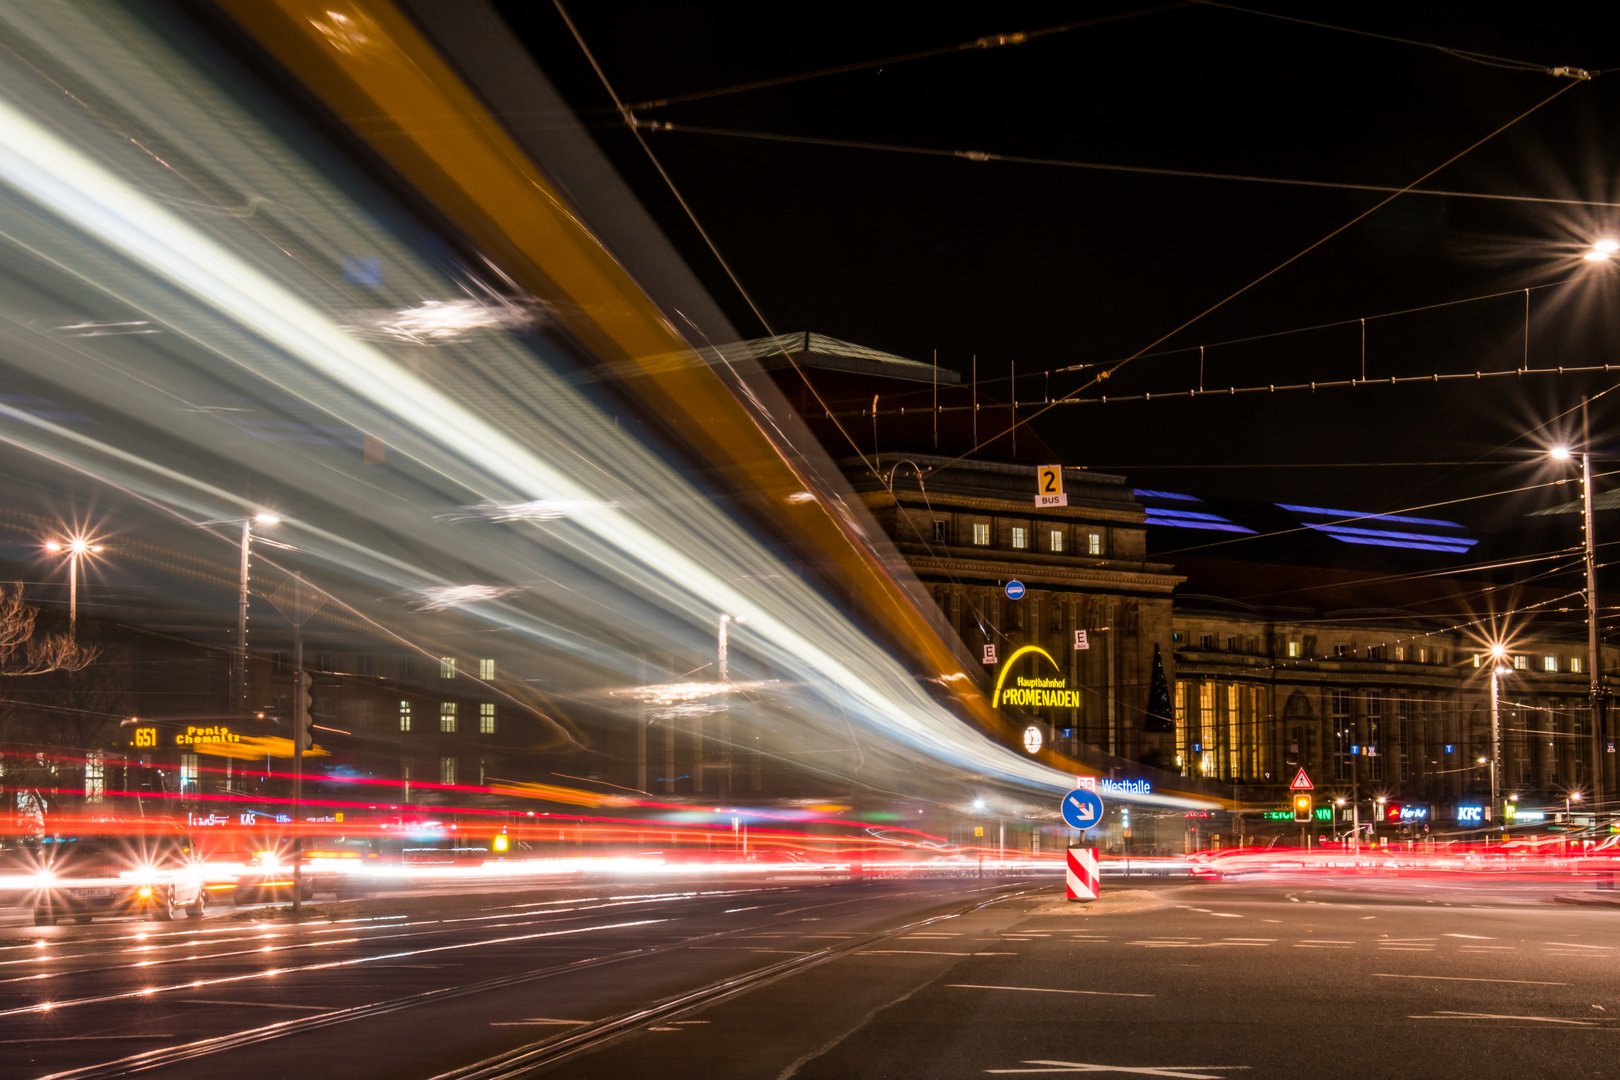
<point x="145" y="736"/>
<point x="1033" y="693"/>
<point x="217" y="733"/>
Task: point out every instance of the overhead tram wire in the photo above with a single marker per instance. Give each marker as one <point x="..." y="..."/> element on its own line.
<point x="982" y="156"/>
<point x="1114" y="368"/>
<point x="691" y="215"/>
<point x="1585" y="275"/>
<point x="988" y="41"/>
<point x="1468" y="55"/>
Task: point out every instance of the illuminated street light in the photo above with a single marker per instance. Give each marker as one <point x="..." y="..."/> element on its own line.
<point x="1602" y="251"/>
<point x="1594" y="656"/>
<point x="76" y="548"/>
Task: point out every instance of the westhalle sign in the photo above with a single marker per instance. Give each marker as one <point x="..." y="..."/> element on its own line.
<point x="1034" y="693"/>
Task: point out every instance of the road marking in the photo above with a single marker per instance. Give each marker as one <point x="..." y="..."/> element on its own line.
<point x="1458" y="978"/>
<point x="1182" y="1072"/>
<point x="258" y="1004"/>
<point x="1224" y="915"/>
<point x="917" y="952"/>
<point x="1486" y="948"/>
<point x="1046" y="990"/>
<point x="1572" y="945"/>
<point x="1444" y="1015"/>
<point x="536" y="1022"/>
<point x="995" y="954"/>
<point x="81" y="1038"/>
<point x="1472" y="937"/>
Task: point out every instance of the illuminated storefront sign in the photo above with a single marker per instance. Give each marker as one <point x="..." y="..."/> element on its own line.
<point x="1323" y="813"/>
<point x="145" y="736"/>
<point x="1124" y="787"/>
<point x="1034" y="693"/>
<point x="217" y="733"/>
<point x="1471" y="814"/>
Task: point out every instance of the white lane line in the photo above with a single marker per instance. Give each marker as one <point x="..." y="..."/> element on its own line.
<point x="1458" y="978"/>
<point x="257" y="1004"/>
<point x="916" y="952"/>
<point x="329" y="965"/>
<point x="81" y="1038"/>
<point x="539" y="1021"/>
<point x="1225" y="915"/>
<point x="1486" y="948"/>
<point x="1180" y="1072"/>
<point x="1446" y="1015"/>
<point x="1471" y="937"/>
<point x="995" y="954"/>
<point x="1572" y="945"/>
<point x="1046" y="990"/>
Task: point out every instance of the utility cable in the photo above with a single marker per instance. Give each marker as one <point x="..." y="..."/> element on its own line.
<point x="989" y="41"/>
<point x="1098" y="166"/>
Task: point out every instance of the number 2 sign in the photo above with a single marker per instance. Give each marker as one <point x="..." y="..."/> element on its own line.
<point x="1049" y="486"/>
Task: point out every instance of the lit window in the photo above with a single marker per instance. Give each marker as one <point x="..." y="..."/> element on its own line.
<point x="95" y="776"/>
<point x="1094" y="544"/>
<point x="188" y="774"/>
<point x="447" y="667"/>
<point x="1293" y="649"/>
<point x="1057" y="540"/>
<point x="486" y="669"/>
<point x="1400" y="652"/>
<point x="1521" y="663"/>
<point x="1423" y="656"/>
<point x="981" y="533"/>
<point x="404" y="716"/>
<point x="447" y="716"/>
<point x="486" y="718"/>
<point x="447" y="770"/>
<point x="1575" y="665"/>
<point x="1549" y="663"/>
<point x="1020" y="537"/>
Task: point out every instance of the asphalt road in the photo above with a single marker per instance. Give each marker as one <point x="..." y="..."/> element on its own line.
<point x="922" y="978"/>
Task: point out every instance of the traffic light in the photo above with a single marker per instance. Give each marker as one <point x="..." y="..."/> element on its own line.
<point x="305" y="717"/>
<point x="1304" y="810"/>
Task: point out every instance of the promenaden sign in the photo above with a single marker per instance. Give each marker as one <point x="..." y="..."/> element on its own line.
<point x="1036" y="693"/>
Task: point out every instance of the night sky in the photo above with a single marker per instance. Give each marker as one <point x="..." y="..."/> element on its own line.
<point x="1046" y="266"/>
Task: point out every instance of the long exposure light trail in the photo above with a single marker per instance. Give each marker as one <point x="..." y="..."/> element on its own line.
<point x="691" y="562"/>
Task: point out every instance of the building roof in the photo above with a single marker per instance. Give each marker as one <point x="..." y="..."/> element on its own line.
<point x="830" y="354"/>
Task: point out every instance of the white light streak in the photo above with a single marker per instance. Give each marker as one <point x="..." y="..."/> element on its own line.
<point x="444" y="597"/>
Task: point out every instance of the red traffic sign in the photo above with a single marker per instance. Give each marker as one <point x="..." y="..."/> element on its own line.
<point x="1302" y="782"/>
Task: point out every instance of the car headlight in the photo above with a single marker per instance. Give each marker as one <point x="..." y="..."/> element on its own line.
<point x="44" y="879"/>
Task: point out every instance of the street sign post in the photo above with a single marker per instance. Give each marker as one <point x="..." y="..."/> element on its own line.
<point x="1082" y="809"/>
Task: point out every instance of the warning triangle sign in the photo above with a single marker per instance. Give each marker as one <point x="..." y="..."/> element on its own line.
<point x="1302" y="782"/>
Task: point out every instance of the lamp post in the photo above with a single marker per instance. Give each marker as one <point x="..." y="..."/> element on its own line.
<point x="1594" y="650"/>
<point x="724" y="733"/>
<point x="1498" y="654"/>
<point x="239" y="661"/>
<point x="75" y="547"/>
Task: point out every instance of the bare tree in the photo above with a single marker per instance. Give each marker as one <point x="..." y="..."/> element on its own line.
<point x="23" y="652"/>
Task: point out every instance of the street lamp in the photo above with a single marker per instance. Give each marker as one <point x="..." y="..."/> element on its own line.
<point x="1594" y="651"/>
<point x="1601" y="250"/>
<point x="1498" y="659"/>
<point x="240" y="659"/>
<point x="725" y="706"/>
<point x="76" y="547"/>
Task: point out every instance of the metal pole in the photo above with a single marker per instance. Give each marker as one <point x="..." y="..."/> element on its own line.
<point x="240" y="687"/>
<point x="298" y="749"/>
<point x="725" y="713"/>
<point x="1594" y="649"/>
<point x="1496" y="736"/>
<point x="73" y="592"/>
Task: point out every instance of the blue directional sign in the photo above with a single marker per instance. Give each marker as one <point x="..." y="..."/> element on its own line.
<point x="1015" y="590"/>
<point x="1082" y="809"/>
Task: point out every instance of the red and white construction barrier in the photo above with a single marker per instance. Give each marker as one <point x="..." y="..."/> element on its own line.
<point x="1083" y="878"/>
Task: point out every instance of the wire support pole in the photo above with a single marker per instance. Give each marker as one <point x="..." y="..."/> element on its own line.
<point x="1594" y="646"/>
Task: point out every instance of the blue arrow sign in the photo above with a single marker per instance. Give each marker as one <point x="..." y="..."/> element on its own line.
<point x="1082" y="809"/>
<point x="1015" y="590"/>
